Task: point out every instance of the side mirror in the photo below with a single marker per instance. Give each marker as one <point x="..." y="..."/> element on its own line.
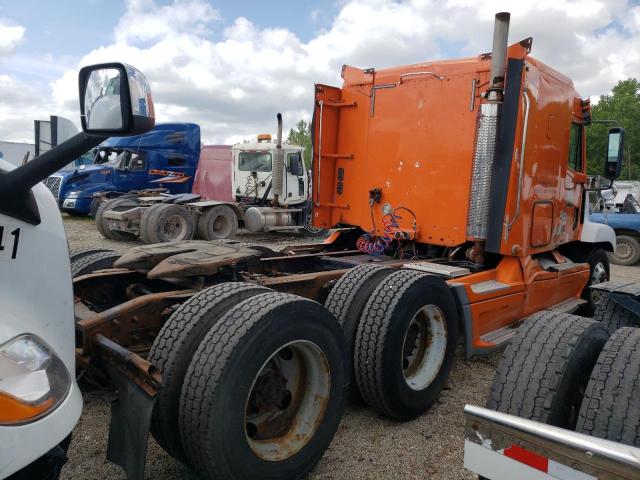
<point x="115" y="100"/>
<point x="615" y="151"/>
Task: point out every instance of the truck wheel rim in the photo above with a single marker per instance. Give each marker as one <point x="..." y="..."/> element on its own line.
<point x="624" y="251"/>
<point x="599" y="275"/>
<point x="424" y="347"/>
<point x="287" y="401"/>
<point x="221" y="226"/>
<point x="175" y="227"/>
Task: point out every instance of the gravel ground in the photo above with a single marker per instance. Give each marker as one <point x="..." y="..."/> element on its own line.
<point x="366" y="446"/>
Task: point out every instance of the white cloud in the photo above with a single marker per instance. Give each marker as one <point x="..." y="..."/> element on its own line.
<point x="10" y="37"/>
<point x="234" y="85"/>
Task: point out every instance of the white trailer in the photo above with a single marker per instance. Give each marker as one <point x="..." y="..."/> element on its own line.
<point x="16" y="152"/>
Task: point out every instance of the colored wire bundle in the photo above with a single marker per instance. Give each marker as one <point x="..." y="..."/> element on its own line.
<point x="371" y="245"/>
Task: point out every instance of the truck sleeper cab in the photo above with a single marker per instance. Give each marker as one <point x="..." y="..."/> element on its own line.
<point x="166" y="157"/>
<point x="512" y="210"/>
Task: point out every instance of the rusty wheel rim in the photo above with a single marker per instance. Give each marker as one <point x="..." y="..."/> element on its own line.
<point x="221" y="226"/>
<point x="287" y="400"/>
<point x="175" y="227"/>
<point x="424" y="347"/>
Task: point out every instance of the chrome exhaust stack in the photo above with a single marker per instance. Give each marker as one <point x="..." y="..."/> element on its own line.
<point x="499" y="55"/>
<point x="277" y="167"/>
<point x="487" y="132"/>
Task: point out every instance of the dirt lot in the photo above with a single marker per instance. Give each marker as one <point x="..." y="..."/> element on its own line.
<point x="366" y="446"/>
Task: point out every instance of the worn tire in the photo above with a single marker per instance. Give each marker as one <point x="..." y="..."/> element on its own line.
<point x="173" y="349"/>
<point x="95" y="205"/>
<point x="545" y="368"/>
<point x="347" y="300"/>
<point x="158" y="223"/>
<point x="77" y="253"/>
<point x="92" y="262"/>
<point x="611" y="405"/>
<point x="599" y="271"/>
<point x="629" y="253"/>
<point x="613" y="316"/>
<point x="101" y="222"/>
<point x="379" y="357"/>
<point x="144" y="223"/>
<point x="222" y="374"/>
<point x="218" y="223"/>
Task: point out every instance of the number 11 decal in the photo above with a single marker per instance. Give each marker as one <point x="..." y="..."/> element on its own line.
<point x="16" y="239"/>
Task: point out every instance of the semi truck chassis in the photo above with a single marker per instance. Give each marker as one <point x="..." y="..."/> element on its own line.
<point x="120" y="312"/>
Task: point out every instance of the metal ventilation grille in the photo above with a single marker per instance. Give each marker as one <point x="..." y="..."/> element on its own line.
<point x="53" y="183"/>
<point x="483" y="158"/>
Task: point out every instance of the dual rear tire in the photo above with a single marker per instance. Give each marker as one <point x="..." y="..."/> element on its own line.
<point x="401" y="327"/>
<point x="255" y="383"/>
<point x="166" y="222"/>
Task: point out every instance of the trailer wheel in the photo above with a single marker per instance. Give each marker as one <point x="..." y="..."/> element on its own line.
<point x="144" y="223"/>
<point x="627" y="250"/>
<point x="169" y="223"/>
<point x="93" y="261"/>
<point x="405" y="343"/>
<point x="217" y="223"/>
<point x="545" y="369"/>
<point x="613" y="316"/>
<point x="265" y="391"/>
<point x="120" y="203"/>
<point x="173" y="349"/>
<point x="611" y="405"/>
<point x="347" y="300"/>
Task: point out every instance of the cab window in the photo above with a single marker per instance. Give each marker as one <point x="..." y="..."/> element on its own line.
<point x="254" y="162"/>
<point x="295" y="164"/>
<point x="137" y="162"/>
<point x="575" y="147"/>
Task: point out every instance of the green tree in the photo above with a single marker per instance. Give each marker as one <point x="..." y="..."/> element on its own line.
<point x="301" y="136"/>
<point x="623" y="106"/>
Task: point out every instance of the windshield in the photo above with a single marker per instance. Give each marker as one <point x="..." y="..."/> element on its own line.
<point x="85" y="159"/>
<point x="254" y="162"/>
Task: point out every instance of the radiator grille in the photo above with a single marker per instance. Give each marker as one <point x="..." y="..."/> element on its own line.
<point x="53" y="183"/>
<point x="483" y="157"/>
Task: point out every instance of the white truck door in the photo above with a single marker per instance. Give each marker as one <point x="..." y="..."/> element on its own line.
<point x="295" y="178"/>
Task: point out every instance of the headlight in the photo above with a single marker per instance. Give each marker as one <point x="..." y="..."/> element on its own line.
<point x="73" y="194"/>
<point x="33" y="380"/>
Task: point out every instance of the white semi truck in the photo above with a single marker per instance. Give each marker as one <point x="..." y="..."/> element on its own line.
<point x="262" y="186"/>
<point x="40" y="402"/>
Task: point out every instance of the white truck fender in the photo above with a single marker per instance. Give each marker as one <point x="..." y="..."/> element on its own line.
<point x="593" y="232"/>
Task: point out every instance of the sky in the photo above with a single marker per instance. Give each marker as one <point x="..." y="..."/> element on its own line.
<point x="230" y="66"/>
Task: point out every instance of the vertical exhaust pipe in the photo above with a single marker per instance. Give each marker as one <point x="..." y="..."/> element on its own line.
<point x="277" y="167"/>
<point x="486" y="137"/>
<point x="499" y="54"/>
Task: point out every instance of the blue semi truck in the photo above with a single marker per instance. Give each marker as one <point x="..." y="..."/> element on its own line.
<point x="166" y="157"/>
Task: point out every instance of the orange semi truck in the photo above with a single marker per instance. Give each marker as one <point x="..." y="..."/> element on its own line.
<point x="482" y="167"/>
<point x="458" y="193"/>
